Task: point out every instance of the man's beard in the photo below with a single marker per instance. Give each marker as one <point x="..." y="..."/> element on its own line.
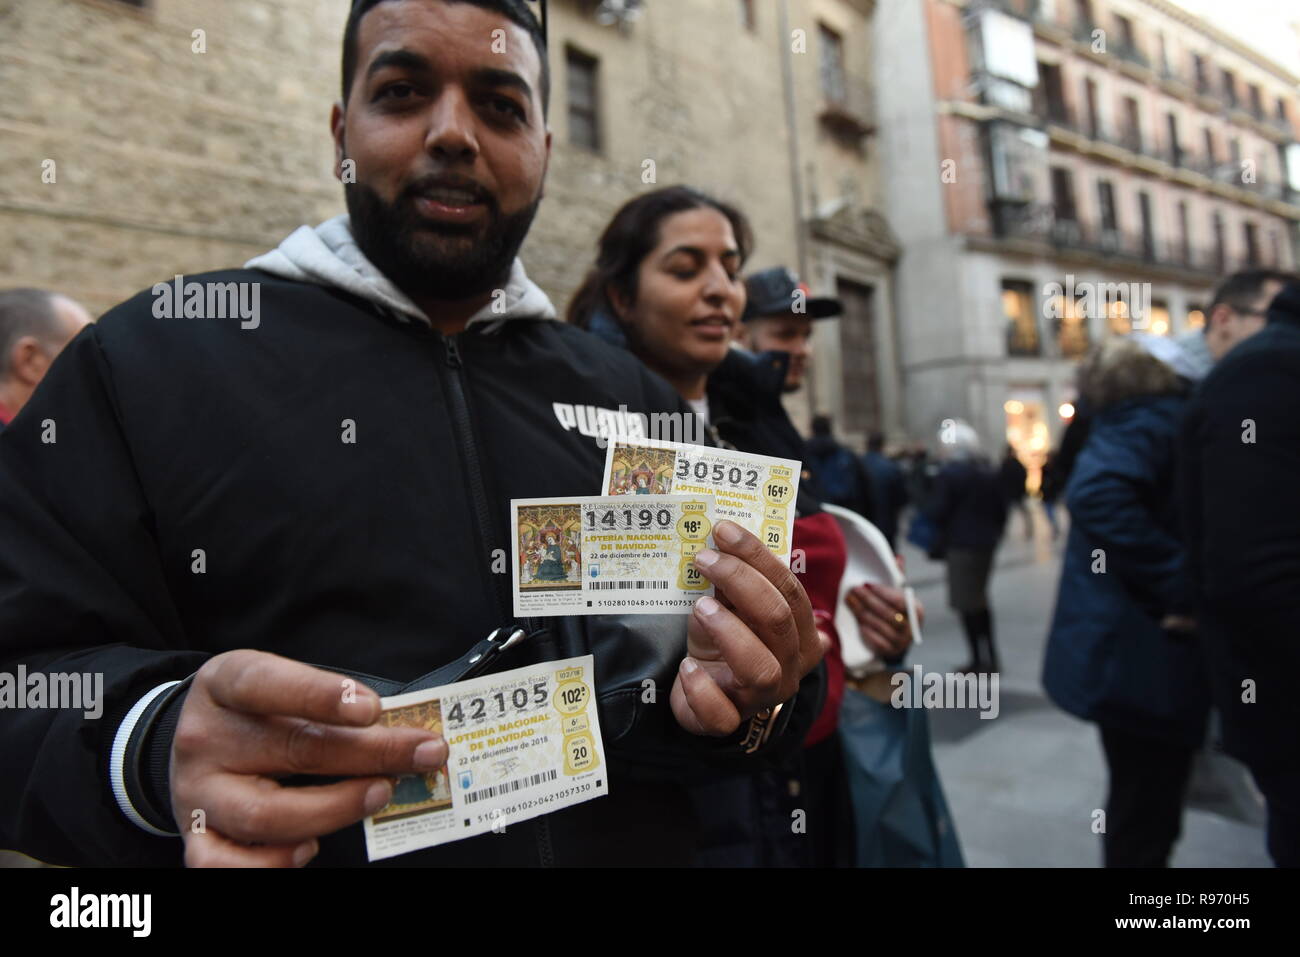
<point x="431" y="260"/>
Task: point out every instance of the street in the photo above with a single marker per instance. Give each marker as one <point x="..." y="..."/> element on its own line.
<point x="1023" y="786"/>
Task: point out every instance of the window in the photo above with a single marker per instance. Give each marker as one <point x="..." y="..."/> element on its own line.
<point x="1220" y="245"/>
<point x="1158" y="321"/>
<point x="1051" y="93"/>
<point x="1148" y="227"/>
<point x="748" y="16"/>
<point x="1184" y="235"/>
<point x="1163" y="49"/>
<point x="1210" y="157"/>
<point x="1126" y="38"/>
<point x="1021" y="316"/>
<point x="1106" y="202"/>
<point x="1275" y="242"/>
<point x="584" y="113"/>
<point x="1256" y="101"/>
<point x="1063" y="195"/>
<point x="1175" y="147"/>
<point x="1071" y="326"/>
<point x="1198" y="70"/>
<point x="1251" y="235"/>
<point x="1090" y="97"/>
<point x="832" y="64"/>
<point x="1229" y="87"/>
<point x="1131" y="132"/>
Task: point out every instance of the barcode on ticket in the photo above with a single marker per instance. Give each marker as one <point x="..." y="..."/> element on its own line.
<point x="639" y="585"/>
<point x="510" y="786"/>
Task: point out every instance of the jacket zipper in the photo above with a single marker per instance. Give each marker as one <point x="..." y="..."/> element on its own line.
<point x="469" y="450"/>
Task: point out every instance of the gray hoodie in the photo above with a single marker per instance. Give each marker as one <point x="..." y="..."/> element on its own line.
<point x="329" y="256"/>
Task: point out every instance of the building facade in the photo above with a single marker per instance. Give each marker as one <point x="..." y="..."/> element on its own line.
<point x="1063" y="171"/>
<point x="154" y="137"/>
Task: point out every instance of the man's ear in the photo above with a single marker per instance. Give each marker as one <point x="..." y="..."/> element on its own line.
<point x="546" y="166"/>
<point x="1218" y="317"/>
<point x="338" y="130"/>
<point x="28" y="360"/>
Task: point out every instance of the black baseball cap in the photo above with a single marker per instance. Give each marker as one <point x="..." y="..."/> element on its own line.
<point x="771" y="293"/>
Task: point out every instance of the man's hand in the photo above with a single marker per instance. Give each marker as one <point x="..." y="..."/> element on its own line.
<point x="251" y="718"/>
<point x="749" y="648"/>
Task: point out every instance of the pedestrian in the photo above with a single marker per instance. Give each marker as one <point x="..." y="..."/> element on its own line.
<point x="888" y="488"/>
<point x="35" y="326"/>
<point x="1049" y="490"/>
<point x="1240" y="458"/>
<point x="1013" y="476"/>
<point x="1121" y="652"/>
<point x="331" y="483"/>
<point x="968" y="511"/>
<point x="667" y="286"/>
<point x="842" y="478"/>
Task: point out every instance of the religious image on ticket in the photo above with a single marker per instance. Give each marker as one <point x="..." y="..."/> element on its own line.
<point x="641" y="471"/>
<point x="417" y="793"/>
<point x="549" y="547"/>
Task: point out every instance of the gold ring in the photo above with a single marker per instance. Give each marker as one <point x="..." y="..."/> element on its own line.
<point x="899" y="621"/>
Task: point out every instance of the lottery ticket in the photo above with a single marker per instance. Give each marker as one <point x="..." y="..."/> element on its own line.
<point x="754" y="491"/>
<point x="610" y="554"/>
<point x="520" y="744"/>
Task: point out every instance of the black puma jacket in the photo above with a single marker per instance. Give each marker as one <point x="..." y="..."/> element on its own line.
<point x="182" y="487"/>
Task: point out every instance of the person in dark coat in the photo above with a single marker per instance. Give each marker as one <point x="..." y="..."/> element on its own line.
<point x="842" y="476"/>
<point x="1241" y="459"/>
<point x="1013" y="475"/>
<point x="969" y="511"/>
<point x="1120" y="652"/>
<point x="888" y="488"/>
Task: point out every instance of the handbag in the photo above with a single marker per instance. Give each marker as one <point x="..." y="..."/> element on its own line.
<point x="900" y="815"/>
<point x="925" y="535"/>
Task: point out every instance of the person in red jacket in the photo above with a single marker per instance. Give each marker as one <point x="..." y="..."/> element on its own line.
<point x="667" y="286"/>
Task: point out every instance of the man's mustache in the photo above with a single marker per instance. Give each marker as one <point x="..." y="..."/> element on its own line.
<point x="474" y="190"/>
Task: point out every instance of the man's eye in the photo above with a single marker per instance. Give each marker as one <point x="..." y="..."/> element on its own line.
<point x="507" y="106"/>
<point x="398" y="91"/>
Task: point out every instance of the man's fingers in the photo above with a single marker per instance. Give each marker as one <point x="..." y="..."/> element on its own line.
<point x="211" y="849"/>
<point x="731" y="539"/>
<point x="259" y="811"/>
<point x="756" y="672"/>
<point x="760" y="603"/>
<point x="308" y="747"/>
<point x="699" y="705"/>
<point x="256" y="682"/>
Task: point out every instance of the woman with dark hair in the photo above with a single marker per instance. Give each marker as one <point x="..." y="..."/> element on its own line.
<point x="667" y="285"/>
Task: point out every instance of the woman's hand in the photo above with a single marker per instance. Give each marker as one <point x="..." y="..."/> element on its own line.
<point x="881" y="611"/>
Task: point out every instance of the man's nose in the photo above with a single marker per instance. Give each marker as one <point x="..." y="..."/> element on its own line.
<point x="452" y="135"/>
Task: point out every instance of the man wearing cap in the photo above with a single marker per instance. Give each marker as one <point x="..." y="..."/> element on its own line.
<point x="778" y="319"/>
<point x="779" y="316"/>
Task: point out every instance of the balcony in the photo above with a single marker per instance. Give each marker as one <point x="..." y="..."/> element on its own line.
<point x="846" y="108"/>
<point x="1069" y="236"/>
<point x="1131" y="54"/>
<point x="1082" y="30"/>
